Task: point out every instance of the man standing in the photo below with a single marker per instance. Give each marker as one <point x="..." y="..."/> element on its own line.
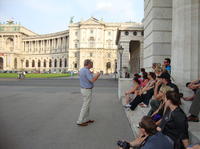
<point x="86" y="83"/>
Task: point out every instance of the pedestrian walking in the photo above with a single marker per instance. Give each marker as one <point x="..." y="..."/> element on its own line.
<point x="86" y="83"/>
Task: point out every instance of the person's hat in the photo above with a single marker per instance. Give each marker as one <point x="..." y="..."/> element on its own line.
<point x="165" y="75"/>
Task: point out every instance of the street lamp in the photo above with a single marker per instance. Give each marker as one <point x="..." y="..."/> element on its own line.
<point x="120" y="53"/>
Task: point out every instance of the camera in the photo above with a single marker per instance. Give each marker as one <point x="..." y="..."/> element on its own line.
<point x="123" y="144"/>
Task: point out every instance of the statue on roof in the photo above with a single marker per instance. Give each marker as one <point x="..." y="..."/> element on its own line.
<point x="71" y="20"/>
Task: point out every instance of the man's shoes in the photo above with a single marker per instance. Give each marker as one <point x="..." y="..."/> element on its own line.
<point x="83" y="124"/>
<point x="193" y="118"/>
<point x="90" y="121"/>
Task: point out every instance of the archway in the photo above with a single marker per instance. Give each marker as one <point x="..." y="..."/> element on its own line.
<point x="1" y="63"/>
<point x="134" y="49"/>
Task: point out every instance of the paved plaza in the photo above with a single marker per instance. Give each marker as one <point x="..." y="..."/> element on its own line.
<point x="42" y="114"/>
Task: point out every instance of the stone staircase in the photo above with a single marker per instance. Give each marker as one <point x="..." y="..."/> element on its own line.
<point x="135" y="116"/>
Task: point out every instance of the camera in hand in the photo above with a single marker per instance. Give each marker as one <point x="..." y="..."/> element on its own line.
<point x="123" y="144"/>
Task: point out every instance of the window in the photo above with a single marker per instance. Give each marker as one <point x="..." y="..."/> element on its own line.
<point x="27" y="63"/>
<point x="39" y="63"/>
<point x="76" y="45"/>
<point x="76" y="33"/>
<point x="109" y="55"/>
<point x="91" y="42"/>
<point x="75" y="54"/>
<point x="142" y="33"/>
<point x="91" y="31"/>
<point x="60" y="62"/>
<point x="50" y="63"/>
<point x="109" y="33"/>
<point x="65" y="62"/>
<point x="55" y="63"/>
<point x="33" y="63"/>
<point x="91" y="54"/>
<point x="108" y="65"/>
<point x="75" y="65"/>
<point x="126" y="33"/>
<point x="135" y="33"/>
<point x="44" y="63"/>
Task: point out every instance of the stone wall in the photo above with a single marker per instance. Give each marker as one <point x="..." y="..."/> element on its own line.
<point x="157" y="31"/>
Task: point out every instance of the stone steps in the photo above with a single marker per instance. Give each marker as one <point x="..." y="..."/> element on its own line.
<point x="135" y="116"/>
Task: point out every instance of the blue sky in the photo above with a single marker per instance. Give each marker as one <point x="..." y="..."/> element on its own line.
<point x="48" y="16"/>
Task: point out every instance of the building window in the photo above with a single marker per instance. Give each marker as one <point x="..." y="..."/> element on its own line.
<point x="27" y="63"/>
<point x="75" y="65"/>
<point x="44" y="63"/>
<point x="109" y="55"/>
<point x="76" y="33"/>
<point x="75" y="54"/>
<point x="91" y="31"/>
<point x="39" y="63"/>
<point x="60" y="62"/>
<point x="108" y="65"/>
<point x="33" y="63"/>
<point x="126" y="33"/>
<point x="65" y="62"/>
<point x="91" y="54"/>
<point x="50" y="63"/>
<point x="142" y="33"/>
<point x="76" y="45"/>
<point x="55" y="63"/>
<point x="135" y="33"/>
<point x="109" y="33"/>
<point x="91" y="42"/>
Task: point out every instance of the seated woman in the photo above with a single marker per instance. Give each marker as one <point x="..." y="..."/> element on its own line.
<point x="145" y="93"/>
<point x="148" y="137"/>
<point x="133" y="90"/>
<point x="174" y="122"/>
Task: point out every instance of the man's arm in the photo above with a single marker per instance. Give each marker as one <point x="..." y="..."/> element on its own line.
<point x="95" y="77"/>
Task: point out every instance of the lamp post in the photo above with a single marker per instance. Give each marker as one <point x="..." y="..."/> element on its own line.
<point x="120" y="53"/>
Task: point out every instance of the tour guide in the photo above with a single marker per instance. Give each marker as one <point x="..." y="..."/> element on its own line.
<point x="87" y="83"/>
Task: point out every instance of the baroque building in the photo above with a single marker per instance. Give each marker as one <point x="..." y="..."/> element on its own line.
<point x="22" y="49"/>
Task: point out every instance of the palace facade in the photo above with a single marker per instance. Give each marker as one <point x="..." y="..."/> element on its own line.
<point x="22" y="49"/>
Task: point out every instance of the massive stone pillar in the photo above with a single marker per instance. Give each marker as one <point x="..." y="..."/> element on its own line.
<point x="186" y="40"/>
<point x="157" y="31"/>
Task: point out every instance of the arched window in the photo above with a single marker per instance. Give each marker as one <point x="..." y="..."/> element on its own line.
<point x="39" y="63"/>
<point x="65" y="62"/>
<point x="50" y="63"/>
<point x="108" y="65"/>
<point x="60" y="62"/>
<point x="10" y="44"/>
<point x="15" y="63"/>
<point x="27" y="63"/>
<point x="33" y="63"/>
<point x="1" y="63"/>
<point x="55" y="63"/>
<point x="45" y="63"/>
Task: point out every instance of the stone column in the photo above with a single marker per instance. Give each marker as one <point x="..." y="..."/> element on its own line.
<point x="186" y="41"/>
<point x="157" y="33"/>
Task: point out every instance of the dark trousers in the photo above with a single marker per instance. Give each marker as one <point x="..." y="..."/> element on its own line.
<point x="195" y="106"/>
<point x="141" y="98"/>
<point x="154" y="106"/>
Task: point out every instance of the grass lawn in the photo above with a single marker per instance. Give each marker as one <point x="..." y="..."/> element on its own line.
<point x="34" y="75"/>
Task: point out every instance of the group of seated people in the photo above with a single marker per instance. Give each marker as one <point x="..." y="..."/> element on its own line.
<point x="166" y="125"/>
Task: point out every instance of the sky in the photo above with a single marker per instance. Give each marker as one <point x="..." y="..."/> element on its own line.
<point x="49" y="16"/>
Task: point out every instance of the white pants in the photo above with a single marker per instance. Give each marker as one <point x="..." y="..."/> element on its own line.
<point x="87" y="98"/>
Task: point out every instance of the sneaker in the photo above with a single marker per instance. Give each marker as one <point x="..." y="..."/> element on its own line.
<point x="193" y="119"/>
<point x="127" y="106"/>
